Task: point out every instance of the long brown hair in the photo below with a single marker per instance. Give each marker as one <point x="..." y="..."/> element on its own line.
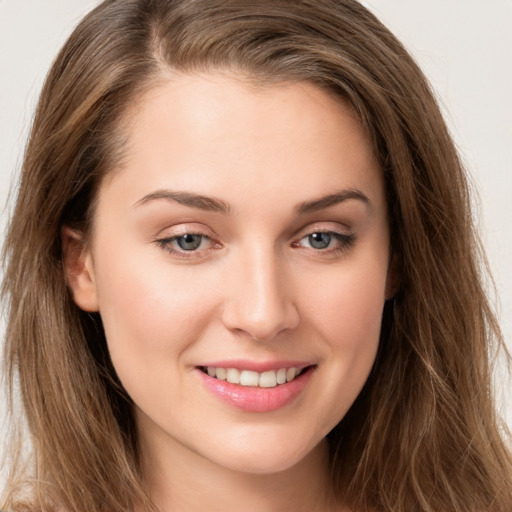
<point x="423" y="435"/>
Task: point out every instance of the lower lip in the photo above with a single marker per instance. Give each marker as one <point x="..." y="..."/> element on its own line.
<point x="255" y="399"/>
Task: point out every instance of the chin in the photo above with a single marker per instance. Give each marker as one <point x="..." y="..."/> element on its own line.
<point x="267" y="458"/>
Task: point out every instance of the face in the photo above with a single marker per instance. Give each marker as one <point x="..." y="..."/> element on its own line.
<point x="239" y="262"/>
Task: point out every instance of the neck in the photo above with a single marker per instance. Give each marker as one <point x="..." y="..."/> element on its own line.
<point x="181" y="480"/>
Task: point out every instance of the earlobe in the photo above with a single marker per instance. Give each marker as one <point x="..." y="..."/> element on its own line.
<point x="78" y="269"/>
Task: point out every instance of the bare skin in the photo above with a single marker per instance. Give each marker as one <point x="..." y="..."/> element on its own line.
<point x="247" y="230"/>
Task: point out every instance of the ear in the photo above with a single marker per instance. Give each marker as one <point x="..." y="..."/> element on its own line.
<point x="394" y="278"/>
<point x="79" y="270"/>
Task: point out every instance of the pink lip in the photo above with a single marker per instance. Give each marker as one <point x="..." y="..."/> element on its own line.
<point x="245" y="364"/>
<point x="255" y="399"/>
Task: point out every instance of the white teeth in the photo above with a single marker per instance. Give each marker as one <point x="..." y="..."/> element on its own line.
<point x="248" y="378"/>
<point x="290" y="374"/>
<point x="268" y="379"/>
<point x="233" y="375"/>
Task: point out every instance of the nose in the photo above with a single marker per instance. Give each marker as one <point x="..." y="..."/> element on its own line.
<point x="259" y="298"/>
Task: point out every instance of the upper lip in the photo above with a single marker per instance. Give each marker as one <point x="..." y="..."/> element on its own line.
<point x="256" y="366"/>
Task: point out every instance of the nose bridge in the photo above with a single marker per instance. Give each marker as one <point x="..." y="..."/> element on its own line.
<point x="260" y="301"/>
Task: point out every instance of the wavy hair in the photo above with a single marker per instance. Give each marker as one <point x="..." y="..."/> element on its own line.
<point x="423" y="435"/>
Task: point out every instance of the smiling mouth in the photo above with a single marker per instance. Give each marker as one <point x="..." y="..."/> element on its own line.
<point x="249" y="378"/>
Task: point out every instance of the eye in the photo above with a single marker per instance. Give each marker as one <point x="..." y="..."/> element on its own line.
<point x="319" y="240"/>
<point x="326" y="241"/>
<point x="186" y="245"/>
<point x="189" y="242"/>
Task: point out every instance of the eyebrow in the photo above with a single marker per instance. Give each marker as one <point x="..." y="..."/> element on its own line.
<point x="219" y="206"/>
<point x="187" y="199"/>
<point x="331" y="200"/>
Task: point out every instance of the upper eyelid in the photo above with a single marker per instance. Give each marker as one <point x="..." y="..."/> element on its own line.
<point x="186" y="228"/>
<point x="319" y="228"/>
<point x="190" y="228"/>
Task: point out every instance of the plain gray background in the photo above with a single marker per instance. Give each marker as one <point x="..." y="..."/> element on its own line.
<point x="464" y="47"/>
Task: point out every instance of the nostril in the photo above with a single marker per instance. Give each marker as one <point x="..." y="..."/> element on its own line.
<point x="262" y="325"/>
<point x="258" y="302"/>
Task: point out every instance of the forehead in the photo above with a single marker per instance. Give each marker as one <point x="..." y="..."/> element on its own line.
<point x="215" y="133"/>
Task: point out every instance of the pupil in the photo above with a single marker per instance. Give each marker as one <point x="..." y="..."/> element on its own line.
<point x="189" y="242"/>
<point x="319" y="240"/>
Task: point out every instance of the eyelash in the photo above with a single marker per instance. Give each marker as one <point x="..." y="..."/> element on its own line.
<point x="345" y="241"/>
<point x="167" y="245"/>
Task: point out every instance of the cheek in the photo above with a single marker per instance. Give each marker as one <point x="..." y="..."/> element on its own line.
<point x="347" y="314"/>
<point x="347" y="307"/>
<point x="150" y="313"/>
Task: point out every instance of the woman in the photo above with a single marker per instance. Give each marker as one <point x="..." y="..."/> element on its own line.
<point x="241" y="272"/>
